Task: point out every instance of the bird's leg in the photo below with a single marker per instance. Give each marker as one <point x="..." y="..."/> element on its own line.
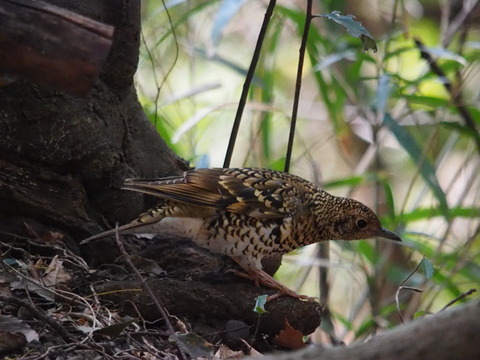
<point x="245" y="276"/>
<point x="265" y="279"/>
<point x="258" y="276"/>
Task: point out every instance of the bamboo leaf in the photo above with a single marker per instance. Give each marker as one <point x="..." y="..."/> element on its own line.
<point x="353" y="27"/>
<point x="427" y="267"/>
<point x="428" y="213"/>
<point x="383" y="93"/>
<point x="427" y="171"/>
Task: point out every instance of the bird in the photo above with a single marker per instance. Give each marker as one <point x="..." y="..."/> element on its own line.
<point x="249" y="214"/>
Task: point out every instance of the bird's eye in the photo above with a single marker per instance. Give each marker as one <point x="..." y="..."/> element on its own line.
<point x="362" y="224"/>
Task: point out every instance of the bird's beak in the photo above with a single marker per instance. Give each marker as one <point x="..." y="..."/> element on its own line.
<point x="387" y="234"/>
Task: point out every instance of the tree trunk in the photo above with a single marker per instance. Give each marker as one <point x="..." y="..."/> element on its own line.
<point x="63" y="160"/>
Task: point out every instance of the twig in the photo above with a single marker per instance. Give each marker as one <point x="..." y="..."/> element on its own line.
<point x="144" y="283"/>
<point x="460" y="297"/>
<point x="256" y="329"/>
<point x="248" y="82"/>
<point x="152" y="61"/>
<point x="459" y="21"/>
<point x="323" y="252"/>
<point x="55" y="325"/>
<point x="402" y="287"/>
<point x="298" y="84"/>
<point x="455" y="94"/>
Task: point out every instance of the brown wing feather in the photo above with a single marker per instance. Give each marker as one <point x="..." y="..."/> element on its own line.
<point x="199" y="187"/>
<point x="255" y="192"/>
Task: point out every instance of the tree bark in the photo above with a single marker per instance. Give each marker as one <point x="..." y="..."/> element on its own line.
<point x="64" y="157"/>
<point x="449" y="335"/>
<point x="63" y="160"/>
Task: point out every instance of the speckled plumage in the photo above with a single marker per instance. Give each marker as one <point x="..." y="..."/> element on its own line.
<point x="249" y="213"/>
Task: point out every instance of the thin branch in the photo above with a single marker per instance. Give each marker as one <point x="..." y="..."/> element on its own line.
<point x="323" y="252"/>
<point x="459" y="21"/>
<point x="465" y="294"/>
<point x="455" y="94"/>
<point x="298" y="85"/>
<point x="40" y="315"/>
<point x="144" y="283"/>
<point x="248" y="82"/>
<point x="403" y="287"/>
<point x="152" y="60"/>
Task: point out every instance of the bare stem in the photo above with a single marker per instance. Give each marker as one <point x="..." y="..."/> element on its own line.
<point x="248" y="82"/>
<point x="298" y="84"/>
<point x="403" y="287"/>
<point x="139" y="276"/>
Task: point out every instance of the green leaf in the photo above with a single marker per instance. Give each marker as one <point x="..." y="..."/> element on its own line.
<point x="427" y="267"/>
<point x="420" y="313"/>
<point x="399" y="51"/>
<point x="427" y="171"/>
<point x="332" y="93"/>
<point x="277" y="164"/>
<point x="342" y="320"/>
<point x="368" y="251"/>
<point x="447" y="282"/>
<point x="383" y="93"/>
<point x="331" y="59"/>
<point x="431" y="101"/>
<point x="427" y="213"/>
<point x="442" y="53"/>
<point x="365" y="327"/>
<point x="351" y="181"/>
<point x="260" y="302"/>
<point x="461" y="129"/>
<point x="353" y="27"/>
<point x="389" y="198"/>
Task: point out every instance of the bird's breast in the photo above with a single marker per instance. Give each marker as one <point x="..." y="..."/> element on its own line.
<point x="181" y="226"/>
<point x="246" y="238"/>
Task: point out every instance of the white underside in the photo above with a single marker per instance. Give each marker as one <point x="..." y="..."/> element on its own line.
<point x="219" y="242"/>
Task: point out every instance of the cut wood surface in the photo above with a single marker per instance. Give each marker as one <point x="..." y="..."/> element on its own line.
<point x="48" y="45"/>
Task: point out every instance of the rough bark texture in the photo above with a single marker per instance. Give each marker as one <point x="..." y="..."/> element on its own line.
<point x="63" y="160"/>
<point x="63" y="157"/>
<point x="197" y="286"/>
<point x="448" y="335"/>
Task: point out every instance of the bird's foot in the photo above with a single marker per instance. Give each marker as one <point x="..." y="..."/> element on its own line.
<point x="261" y="277"/>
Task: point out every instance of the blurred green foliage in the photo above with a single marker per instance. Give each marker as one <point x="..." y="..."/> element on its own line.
<point x="381" y="127"/>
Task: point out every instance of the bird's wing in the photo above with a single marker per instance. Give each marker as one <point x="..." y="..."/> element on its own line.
<point x="258" y="193"/>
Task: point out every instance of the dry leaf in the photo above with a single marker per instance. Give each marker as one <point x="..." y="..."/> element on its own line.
<point x="224" y="353"/>
<point x="14" y="333"/>
<point x="10" y="342"/>
<point x="289" y="338"/>
<point x="251" y="351"/>
<point x="55" y="273"/>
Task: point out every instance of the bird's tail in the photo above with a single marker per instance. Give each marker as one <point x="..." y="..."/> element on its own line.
<point x="135" y="227"/>
<point x="141" y="225"/>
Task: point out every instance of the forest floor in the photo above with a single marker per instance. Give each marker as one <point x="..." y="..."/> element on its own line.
<point x="53" y="305"/>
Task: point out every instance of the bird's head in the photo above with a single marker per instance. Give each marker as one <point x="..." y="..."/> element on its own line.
<point x="352" y="220"/>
